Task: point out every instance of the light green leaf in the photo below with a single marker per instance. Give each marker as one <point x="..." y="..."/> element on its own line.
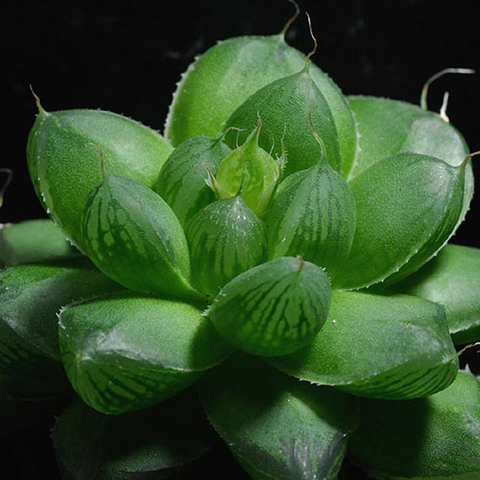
<point x="33" y="241"/>
<point x="434" y="438"/>
<point x="133" y="236"/>
<point x="277" y="427"/>
<point x="408" y="206"/>
<point x="63" y="158"/>
<point x="30" y="298"/>
<point x="217" y="83"/>
<point x="126" y="352"/>
<point x="389" y="346"/>
<point x="226" y="238"/>
<point x="182" y="180"/>
<point x="451" y="279"/>
<point x="151" y="444"/>
<point x="274" y="308"/>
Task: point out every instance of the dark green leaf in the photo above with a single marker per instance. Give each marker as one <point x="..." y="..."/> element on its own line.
<point x="274" y="308"/>
<point x="33" y="241"/>
<point x="451" y="279"/>
<point x="182" y="180"/>
<point x="125" y="352"/>
<point x="436" y="438"/>
<point x="148" y="445"/>
<point x="277" y="427"/>
<point x="388" y="346"/>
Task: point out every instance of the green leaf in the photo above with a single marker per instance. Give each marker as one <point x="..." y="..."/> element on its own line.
<point x="436" y="438"/>
<point x="451" y="279"/>
<point x="133" y="236"/>
<point x="30" y="298"/>
<point x="274" y="308"/>
<point x="276" y="426"/>
<point x="389" y="346"/>
<point x="226" y="238"/>
<point x="126" y="352"/>
<point x="217" y="83"/>
<point x="182" y="180"/>
<point x="63" y="159"/>
<point x="248" y="171"/>
<point x="285" y="107"/>
<point x="313" y="215"/>
<point x="150" y="444"/>
<point x="32" y="241"/>
<point x="408" y="206"/>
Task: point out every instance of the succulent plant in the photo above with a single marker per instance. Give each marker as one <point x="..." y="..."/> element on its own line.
<point x="277" y="266"/>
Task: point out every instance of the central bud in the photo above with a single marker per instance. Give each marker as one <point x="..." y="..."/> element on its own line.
<point x="248" y="171"/>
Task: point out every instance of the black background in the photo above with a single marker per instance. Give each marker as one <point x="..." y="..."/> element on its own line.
<point x="127" y="57"/>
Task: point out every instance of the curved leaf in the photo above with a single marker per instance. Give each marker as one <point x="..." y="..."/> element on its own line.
<point x="33" y="241"/>
<point x="30" y="298"/>
<point x="126" y="352"/>
<point x="146" y="445"/>
<point x="217" y="83"/>
<point x="408" y="206"/>
<point x="451" y="279"/>
<point x="275" y="426"/>
<point x="388" y="346"/>
<point x="226" y="238"/>
<point x="182" y="180"/>
<point x="133" y="236"/>
<point x="63" y="152"/>
<point x="274" y="308"/>
<point x="430" y="438"/>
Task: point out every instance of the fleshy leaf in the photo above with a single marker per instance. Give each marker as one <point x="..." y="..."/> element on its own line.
<point x="30" y="298"/>
<point x="62" y="154"/>
<point x="451" y="279"/>
<point x="33" y="241"/>
<point x="216" y="84"/>
<point x="126" y="352"/>
<point x="416" y="356"/>
<point x="274" y="308"/>
<point x="408" y="206"/>
<point x="226" y="238"/>
<point x="313" y="215"/>
<point x="276" y="426"/>
<point x="249" y="171"/>
<point x="153" y="443"/>
<point x="133" y="236"/>
<point x="182" y="180"/>
<point x="430" y="438"/>
<point x="286" y="107"/>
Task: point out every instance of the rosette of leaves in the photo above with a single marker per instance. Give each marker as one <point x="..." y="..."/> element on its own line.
<point x="293" y="272"/>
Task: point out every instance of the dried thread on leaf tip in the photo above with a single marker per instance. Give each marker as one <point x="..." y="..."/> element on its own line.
<point x="291" y="19"/>
<point x="469" y="157"/>
<point x="315" y="43"/>
<point x="443" y="108"/>
<point x="8" y="180"/>
<point x="445" y="71"/>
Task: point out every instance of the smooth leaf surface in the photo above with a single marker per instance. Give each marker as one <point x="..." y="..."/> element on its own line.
<point x="276" y="426"/>
<point x="133" y="236"/>
<point x="435" y="438"/>
<point x="274" y="308"/>
<point x="151" y="444"/>
<point x="286" y="107"/>
<point x="182" y="180"/>
<point x="226" y="238"/>
<point x="313" y="215"/>
<point x="388" y="346"/>
<point x="126" y="352"/>
<point x="63" y="159"/>
<point x="32" y="241"/>
<point x="30" y="298"/>
<point x="216" y="84"/>
<point x="451" y="279"/>
<point x="408" y="206"/>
